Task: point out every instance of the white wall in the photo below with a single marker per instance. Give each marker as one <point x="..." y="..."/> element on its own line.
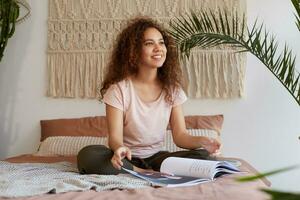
<point x="261" y="128"/>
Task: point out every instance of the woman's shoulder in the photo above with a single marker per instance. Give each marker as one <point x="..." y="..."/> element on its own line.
<point x="117" y="92"/>
<point x="178" y="95"/>
<point x="177" y="90"/>
<point x="122" y="85"/>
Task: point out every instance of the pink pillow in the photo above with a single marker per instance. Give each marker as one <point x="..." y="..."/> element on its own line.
<point x="86" y="126"/>
<point x="97" y="126"/>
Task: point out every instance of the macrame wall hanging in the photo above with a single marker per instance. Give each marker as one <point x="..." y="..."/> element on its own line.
<point x="81" y="32"/>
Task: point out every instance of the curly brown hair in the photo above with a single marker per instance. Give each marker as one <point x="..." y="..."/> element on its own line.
<point x="125" y="55"/>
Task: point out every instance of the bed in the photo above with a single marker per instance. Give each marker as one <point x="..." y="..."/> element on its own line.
<point x="50" y="173"/>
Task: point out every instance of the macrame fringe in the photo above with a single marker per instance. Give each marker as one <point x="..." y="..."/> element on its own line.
<point x="215" y="74"/>
<point x="75" y="74"/>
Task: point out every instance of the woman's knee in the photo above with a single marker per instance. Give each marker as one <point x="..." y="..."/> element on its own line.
<point x="92" y="159"/>
<point x="94" y="150"/>
<point x="96" y="159"/>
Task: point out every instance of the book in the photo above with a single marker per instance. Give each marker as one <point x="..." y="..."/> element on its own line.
<point x="175" y="172"/>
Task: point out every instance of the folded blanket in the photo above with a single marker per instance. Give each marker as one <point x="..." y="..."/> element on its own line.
<point x="28" y="179"/>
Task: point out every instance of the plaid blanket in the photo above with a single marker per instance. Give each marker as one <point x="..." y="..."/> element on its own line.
<point x="28" y="179"/>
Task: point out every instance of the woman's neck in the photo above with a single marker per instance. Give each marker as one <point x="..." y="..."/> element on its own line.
<point x="147" y="85"/>
<point x="147" y="76"/>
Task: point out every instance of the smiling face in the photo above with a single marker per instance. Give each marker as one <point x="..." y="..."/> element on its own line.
<point x="153" y="49"/>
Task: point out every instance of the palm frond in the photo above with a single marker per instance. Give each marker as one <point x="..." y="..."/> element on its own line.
<point x="296" y="4"/>
<point x="279" y="195"/>
<point x="262" y="175"/>
<point x="9" y="12"/>
<point x="275" y="194"/>
<point x="208" y="29"/>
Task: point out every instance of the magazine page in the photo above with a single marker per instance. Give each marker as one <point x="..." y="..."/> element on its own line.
<point x="168" y="180"/>
<point x="224" y="167"/>
<point x="189" y="167"/>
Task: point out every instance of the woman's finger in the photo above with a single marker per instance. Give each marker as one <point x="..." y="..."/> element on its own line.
<point x="128" y="154"/>
<point x="116" y="164"/>
<point x="120" y="163"/>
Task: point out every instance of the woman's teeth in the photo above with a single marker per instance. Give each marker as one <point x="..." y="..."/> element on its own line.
<point x="158" y="56"/>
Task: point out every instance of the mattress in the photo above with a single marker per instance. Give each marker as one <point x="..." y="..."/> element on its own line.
<point x="225" y="188"/>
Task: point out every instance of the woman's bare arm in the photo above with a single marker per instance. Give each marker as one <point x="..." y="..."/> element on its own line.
<point x="183" y="139"/>
<point x="114" y="118"/>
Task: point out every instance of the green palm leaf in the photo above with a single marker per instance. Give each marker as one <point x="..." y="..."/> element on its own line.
<point x="262" y="175"/>
<point x="276" y="195"/>
<point x="208" y="29"/>
<point x="296" y="4"/>
<point x="279" y="195"/>
<point x="9" y="12"/>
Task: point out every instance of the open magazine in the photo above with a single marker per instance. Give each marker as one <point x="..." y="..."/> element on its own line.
<point x="175" y="172"/>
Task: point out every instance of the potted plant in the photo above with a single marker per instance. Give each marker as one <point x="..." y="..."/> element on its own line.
<point x="9" y="16"/>
<point x="9" y="13"/>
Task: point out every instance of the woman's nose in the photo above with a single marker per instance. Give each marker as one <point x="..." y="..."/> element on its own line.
<point x="157" y="47"/>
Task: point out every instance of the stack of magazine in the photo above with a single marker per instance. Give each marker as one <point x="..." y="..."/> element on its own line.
<point x="175" y="172"/>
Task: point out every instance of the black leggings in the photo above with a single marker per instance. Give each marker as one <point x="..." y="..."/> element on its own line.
<point x="96" y="159"/>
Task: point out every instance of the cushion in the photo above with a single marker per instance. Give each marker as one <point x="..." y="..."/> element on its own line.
<point x="97" y="126"/>
<point x="67" y="145"/>
<point x="86" y="126"/>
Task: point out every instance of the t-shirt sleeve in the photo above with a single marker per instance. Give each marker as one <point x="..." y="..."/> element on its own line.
<point x="179" y="97"/>
<point x="114" y="97"/>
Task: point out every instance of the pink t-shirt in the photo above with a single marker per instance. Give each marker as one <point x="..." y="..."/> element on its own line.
<point x="145" y="123"/>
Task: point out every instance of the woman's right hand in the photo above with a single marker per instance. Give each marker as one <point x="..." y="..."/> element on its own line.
<point x="211" y="145"/>
<point x="119" y="154"/>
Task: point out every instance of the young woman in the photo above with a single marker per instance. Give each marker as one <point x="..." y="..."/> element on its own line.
<point x="142" y="93"/>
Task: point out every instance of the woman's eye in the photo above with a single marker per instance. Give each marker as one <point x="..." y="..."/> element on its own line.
<point x="152" y="43"/>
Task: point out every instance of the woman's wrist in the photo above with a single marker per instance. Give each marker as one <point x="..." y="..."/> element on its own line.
<point x="115" y="146"/>
<point x="210" y="144"/>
